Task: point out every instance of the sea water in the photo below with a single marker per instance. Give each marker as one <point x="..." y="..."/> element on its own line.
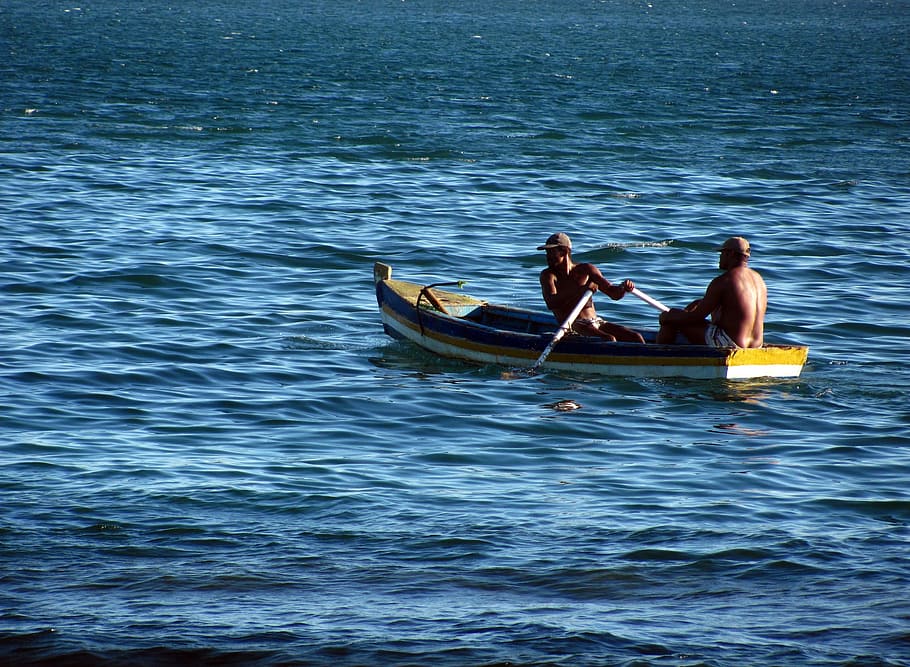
<point x="210" y="452"/>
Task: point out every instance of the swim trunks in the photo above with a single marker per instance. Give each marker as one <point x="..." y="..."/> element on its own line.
<point x="594" y="322"/>
<point x="717" y="337"/>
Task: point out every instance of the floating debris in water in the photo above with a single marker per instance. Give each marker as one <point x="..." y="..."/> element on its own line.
<point x="564" y="406"/>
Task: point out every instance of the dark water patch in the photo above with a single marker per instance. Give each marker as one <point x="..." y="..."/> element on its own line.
<point x="894" y="511"/>
<point x="143" y="280"/>
<point x="51" y="647"/>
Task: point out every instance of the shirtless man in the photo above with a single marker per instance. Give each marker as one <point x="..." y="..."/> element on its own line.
<point x="564" y="282"/>
<point x="736" y="301"/>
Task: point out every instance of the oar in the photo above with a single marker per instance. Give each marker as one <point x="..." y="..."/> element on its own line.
<point x="654" y="302"/>
<point x="563" y="330"/>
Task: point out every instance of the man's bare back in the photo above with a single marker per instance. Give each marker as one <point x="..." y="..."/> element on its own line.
<point x="736" y="301"/>
<point x="743" y="301"/>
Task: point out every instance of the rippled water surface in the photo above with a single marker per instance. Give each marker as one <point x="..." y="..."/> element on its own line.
<point x="211" y="452"/>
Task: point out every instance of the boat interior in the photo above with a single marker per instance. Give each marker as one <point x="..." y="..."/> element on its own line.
<point x="519" y="320"/>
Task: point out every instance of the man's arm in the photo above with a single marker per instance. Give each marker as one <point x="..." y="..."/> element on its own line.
<point x="615" y="292"/>
<point x="699" y="309"/>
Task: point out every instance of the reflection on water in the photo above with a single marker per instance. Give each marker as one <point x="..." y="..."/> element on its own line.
<point x="739" y="429"/>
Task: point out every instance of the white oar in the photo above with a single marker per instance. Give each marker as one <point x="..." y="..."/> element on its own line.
<point x="653" y="302"/>
<point x="563" y="330"/>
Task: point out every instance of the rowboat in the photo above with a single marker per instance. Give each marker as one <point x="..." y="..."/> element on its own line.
<point x="455" y="325"/>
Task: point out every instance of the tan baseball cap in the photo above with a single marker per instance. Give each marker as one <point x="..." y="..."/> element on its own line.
<point x="558" y="240"/>
<point x="737" y="244"/>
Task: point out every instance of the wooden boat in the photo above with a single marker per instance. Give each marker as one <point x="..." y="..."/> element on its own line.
<point x="459" y="326"/>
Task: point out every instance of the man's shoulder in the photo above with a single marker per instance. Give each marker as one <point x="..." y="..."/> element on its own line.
<point x="738" y="272"/>
<point x="584" y="268"/>
<point x="743" y="273"/>
<point x="723" y="280"/>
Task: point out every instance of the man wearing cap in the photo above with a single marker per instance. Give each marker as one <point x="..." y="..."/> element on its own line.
<point x="564" y="282"/>
<point x="736" y="301"/>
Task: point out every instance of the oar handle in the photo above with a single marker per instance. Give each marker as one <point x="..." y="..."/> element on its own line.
<point x="564" y="328"/>
<point x="653" y="302"/>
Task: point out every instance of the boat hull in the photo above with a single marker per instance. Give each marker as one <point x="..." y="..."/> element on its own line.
<point x="473" y="330"/>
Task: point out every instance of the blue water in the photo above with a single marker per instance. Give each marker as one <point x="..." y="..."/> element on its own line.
<point x="211" y="454"/>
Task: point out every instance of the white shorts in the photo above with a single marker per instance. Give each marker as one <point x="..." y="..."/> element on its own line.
<point x="594" y="322"/>
<point x="717" y="337"/>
